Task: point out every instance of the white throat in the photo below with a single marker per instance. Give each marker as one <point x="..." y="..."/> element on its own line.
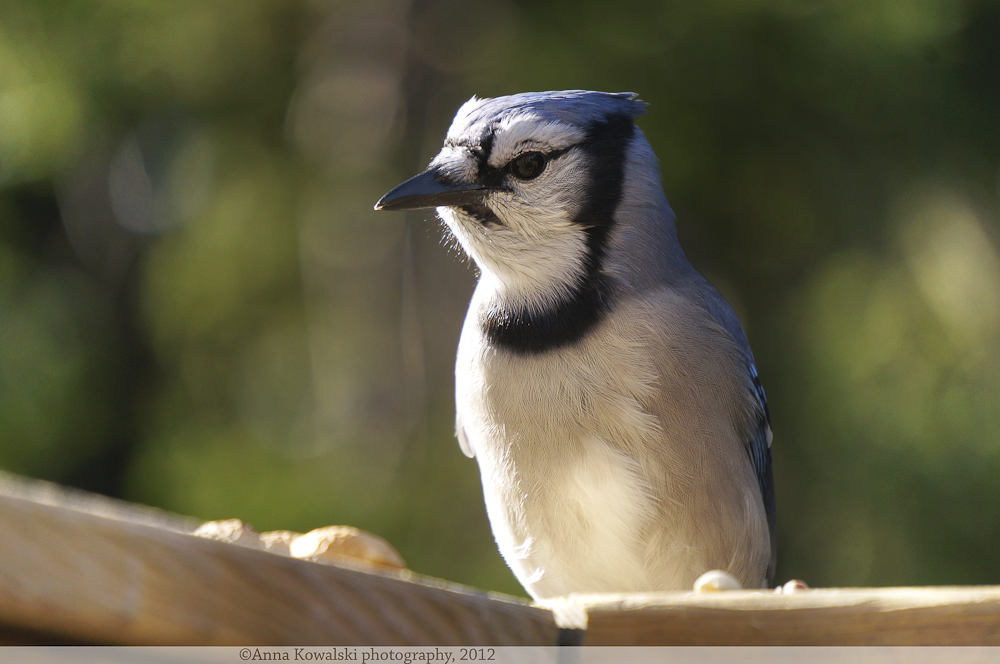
<point x="522" y="270"/>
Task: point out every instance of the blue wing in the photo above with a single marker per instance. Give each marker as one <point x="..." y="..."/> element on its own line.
<point x="759" y="449"/>
<point x="758" y="439"/>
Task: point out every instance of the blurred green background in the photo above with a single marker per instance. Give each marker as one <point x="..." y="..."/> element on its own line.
<point x="199" y="309"/>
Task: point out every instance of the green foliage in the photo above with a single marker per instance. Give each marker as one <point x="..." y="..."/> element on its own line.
<point x="199" y="309"/>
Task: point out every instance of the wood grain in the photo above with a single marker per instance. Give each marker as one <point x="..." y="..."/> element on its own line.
<point x="84" y="571"/>
<point x="80" y="568"/>
<point x="847" y="616"/>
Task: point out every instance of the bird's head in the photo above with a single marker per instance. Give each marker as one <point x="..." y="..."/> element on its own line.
<point x="529" y="184"/>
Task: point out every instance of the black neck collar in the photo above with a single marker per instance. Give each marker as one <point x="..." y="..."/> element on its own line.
<point x="528" y="331"/>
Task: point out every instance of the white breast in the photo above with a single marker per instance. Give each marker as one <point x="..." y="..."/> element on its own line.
<point x="568" y="510"/>
<point x="586" y="489"/>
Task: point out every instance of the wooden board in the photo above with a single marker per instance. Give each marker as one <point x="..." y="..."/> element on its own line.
<point x="847" y="616"/>
<point x="80" y="568"/>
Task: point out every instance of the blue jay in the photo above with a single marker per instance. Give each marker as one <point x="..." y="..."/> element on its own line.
<point x="605" y="388"/>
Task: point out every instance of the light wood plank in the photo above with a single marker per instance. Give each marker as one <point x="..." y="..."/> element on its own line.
<point x="848" y="616"/>
<point x="88" y="572"/>
<point x="75" y="567"/>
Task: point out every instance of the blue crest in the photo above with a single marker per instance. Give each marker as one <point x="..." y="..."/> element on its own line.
<point x="576" y="107"/>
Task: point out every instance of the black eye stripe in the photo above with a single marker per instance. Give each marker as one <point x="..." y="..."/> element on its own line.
<point x="493" y="176"/>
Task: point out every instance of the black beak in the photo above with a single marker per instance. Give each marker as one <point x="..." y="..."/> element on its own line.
<point x="427" y="190"/>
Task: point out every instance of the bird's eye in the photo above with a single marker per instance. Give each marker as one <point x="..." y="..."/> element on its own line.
<point x="528" y="166"/>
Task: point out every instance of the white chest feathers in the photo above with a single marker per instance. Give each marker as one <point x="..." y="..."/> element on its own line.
<point x="552" y="433"/>
<point x="597" y="543"/>
<point x="591" y="481"/>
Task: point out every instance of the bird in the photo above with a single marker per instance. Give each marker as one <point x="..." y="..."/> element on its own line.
<point x="606" y="389"/>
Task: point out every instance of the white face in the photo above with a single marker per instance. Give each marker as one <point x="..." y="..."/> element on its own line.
<point x="531" y="247"/>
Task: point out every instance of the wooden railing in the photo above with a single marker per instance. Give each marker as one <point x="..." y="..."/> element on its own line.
<point x="80" y="568"/>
